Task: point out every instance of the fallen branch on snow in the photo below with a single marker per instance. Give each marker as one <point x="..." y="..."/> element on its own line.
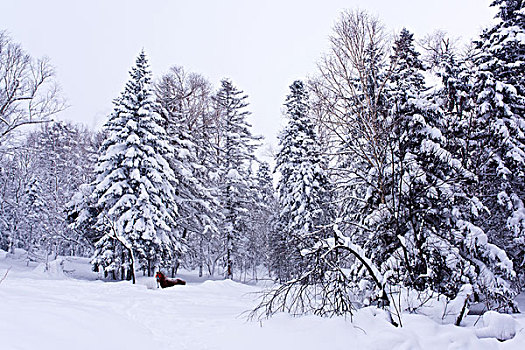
<point x="5" y="276"/>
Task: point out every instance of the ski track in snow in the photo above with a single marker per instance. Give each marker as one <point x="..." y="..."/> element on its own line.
<point x="40" y="311"/>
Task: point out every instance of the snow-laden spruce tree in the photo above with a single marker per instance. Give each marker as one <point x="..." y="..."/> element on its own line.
<point x="452" y="96"/>
<point x="303" y="188"/>
<point x="234" y="181"/>
<point x="496" y="147"/>
<point x="425" y="219"/>
<point x="262" y="216"/>
<point x="133" y="195"/>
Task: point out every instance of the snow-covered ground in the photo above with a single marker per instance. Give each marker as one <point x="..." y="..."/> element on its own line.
<point x="53" y="310"/>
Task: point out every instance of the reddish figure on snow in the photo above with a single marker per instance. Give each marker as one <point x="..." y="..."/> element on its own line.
<point x="166" y="282"/>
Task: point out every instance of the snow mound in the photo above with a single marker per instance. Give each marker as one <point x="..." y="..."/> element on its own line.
<point x="53" y="268"/>
<point x="150" y="283"/>
<point x="223" y="285"/>
<point x="372" y="317"/>
<point x="3" y="254"/>
<point x="496" y="325"/>
<point x="432" y="305"/>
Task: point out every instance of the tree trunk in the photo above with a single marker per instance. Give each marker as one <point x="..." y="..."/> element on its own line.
<point x="229" y="270"/>
<point x="132" y="270"/>
<point x="201" y="254"/>
<point x="122" y="269"/>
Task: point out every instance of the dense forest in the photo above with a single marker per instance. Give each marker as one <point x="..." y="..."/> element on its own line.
<point x="401" y="169"/>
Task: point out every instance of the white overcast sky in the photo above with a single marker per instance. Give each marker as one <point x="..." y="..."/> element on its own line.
<point x="261" y="45"/>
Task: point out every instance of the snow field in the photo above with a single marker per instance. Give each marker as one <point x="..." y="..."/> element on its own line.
<point x="40" y="312"/>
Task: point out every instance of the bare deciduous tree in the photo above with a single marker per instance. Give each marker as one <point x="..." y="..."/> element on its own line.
<point x="185" y="102"/>
<point x="349" y="90"/>
<point x="435" y="46"/>
<point x="185" y="95"/>
<point x="28" y="91"/>
<point x="349" y="109"/>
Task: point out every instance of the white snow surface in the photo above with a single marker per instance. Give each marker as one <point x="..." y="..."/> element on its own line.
<point x="71" y="309"/>
<point x="498" y="326"/>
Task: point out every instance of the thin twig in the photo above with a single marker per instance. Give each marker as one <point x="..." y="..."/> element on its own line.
<point x="5" y="275"/>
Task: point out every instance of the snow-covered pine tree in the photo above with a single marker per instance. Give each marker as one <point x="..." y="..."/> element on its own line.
<point x="452" y="96"/>
<point x="38" y="235"/>
<point x="405" y="84"/>
<point x="418" y="184"/>
<point x="497" y="141"/>
<point x="303" y="187"/>
<point x="133" y="194"/>
<point x="262" y="216"/>
<point x="425" y="218"/>
<point x="235" y="153"/>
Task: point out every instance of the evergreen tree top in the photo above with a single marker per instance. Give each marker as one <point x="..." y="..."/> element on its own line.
<point x="501" y="48"/>
<point x="297" y="109"/>
<point x="137" y="89"/>
<point x="303" y="183"/>
<point x="512" y="14"/>
<point x="297" y="100"/>
<point x="405" y="52"/>
<point x="509" y="9"/>
<point x="298" y="140"/>
<point x="141" y="68"/>
<point x="407" y="80"/>
<point x="231" y="98"/>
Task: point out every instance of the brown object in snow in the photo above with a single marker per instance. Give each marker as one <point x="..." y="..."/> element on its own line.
<point x="166" y="282"/>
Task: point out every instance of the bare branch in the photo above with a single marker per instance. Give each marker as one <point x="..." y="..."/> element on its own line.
<point x="28" y="92"/>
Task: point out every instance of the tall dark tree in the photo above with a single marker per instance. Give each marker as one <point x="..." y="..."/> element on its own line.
<point x="235" y="155"/>
<point x="497" y="143"/>
<point x="303" y="186"/>
<point x="410" y="233"/>
<point x="263" y="214"/>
